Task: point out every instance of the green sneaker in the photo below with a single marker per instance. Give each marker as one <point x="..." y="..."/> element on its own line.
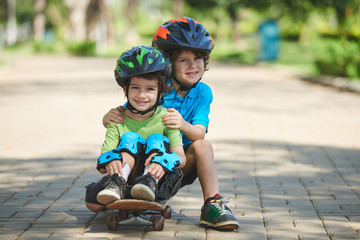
<point x="216" y="214"/>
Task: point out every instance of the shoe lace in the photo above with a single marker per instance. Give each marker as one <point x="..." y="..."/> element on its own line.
<point x="222" y="207"/>
<point x="118" y="180"/>
<point x="146" y="179"/>
<point x="113" y="184"/>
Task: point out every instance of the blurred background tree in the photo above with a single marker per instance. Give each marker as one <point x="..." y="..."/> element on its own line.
<point x="316" y="36"/>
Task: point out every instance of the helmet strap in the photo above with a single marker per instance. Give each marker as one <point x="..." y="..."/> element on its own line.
<point x="185" y="87"/>
<point x="135" y="111"/>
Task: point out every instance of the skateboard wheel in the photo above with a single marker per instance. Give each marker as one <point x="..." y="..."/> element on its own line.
<point x="113" y="223"/>
<point x="123" y="214"/>
<point x="166" y="213"/>
<point x="158" y="223"/>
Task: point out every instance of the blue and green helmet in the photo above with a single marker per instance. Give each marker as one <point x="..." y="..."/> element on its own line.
<point x="141" y="60"/>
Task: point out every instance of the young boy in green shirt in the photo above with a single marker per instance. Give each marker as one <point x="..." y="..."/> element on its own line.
<point x="143" y="141"/>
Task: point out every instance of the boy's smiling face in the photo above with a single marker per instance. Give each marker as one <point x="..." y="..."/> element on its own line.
<point x="189" y="68"/>
<point x="142" y="93"/>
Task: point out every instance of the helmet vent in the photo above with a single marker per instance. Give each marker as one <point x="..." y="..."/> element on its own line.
<point x="183" y="33"/>
<point x="197" y="28"/>
<point x="184" y="26"/>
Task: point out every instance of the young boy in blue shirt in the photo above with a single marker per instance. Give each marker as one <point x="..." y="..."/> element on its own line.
<point x="188" y="45"/>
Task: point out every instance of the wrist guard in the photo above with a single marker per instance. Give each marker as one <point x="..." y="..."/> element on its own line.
<point x="161" y="144"/>
<point x="130" y="142"/>
<point x="169" y="161"/>
<point x="107" y="157"/>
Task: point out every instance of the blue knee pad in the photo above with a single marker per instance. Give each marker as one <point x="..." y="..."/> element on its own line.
<point x="130" y="142"/>
<point x="161" y="144"/>
<point x="157" y="143"/>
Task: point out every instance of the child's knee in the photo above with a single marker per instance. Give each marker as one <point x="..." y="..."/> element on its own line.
<point x="202" y="145"/>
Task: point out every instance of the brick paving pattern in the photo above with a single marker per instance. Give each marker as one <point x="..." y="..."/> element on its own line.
<point x="287" y="152"/>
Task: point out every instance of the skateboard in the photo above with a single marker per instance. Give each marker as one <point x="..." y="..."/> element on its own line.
<point x="138" y="208"/>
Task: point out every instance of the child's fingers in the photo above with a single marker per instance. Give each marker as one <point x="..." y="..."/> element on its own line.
<point x="148" y="160"/>
<point x="115" y="115"/>
<point x="120" y="108"/>
<point x="113" y="120"/>
<point x="114" y="167"/>
<point x="172" y="126"/>
<point x="170" y="120"/>
<point x="109" y="170"/>
<point x="156" y="170"/>
<point x="173" y="123"/>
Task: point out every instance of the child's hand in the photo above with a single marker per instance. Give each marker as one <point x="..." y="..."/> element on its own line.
<point x="155" y="169"/>
<point x="114" y="167"/>
<point x="114" y="116"/>
<point x="173" y="119"/>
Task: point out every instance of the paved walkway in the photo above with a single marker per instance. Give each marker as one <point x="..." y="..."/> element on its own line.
<point x="288" y="153"/>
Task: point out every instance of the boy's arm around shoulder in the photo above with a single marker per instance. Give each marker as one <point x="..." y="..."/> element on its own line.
<point x="114" y="116"/>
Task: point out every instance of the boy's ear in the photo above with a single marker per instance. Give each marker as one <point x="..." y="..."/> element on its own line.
<point x="125" y="92"/>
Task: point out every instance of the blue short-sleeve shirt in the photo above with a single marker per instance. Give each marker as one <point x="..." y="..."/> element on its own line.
<point x="194" y="108"/>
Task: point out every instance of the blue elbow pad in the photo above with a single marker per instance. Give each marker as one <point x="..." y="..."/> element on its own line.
<point x="131" y="143"/>
<point x="107" y="157"/>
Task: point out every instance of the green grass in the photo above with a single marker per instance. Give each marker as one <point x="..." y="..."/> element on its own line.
<point x="296" y="57"/>
<point x="292" y="55"/>
<point x="228" y="51"/>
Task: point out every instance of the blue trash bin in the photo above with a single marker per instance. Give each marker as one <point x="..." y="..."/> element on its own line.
<point x="269" y="41"/>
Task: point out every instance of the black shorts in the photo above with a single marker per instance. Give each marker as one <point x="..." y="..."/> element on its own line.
<point x="94" y="188"/>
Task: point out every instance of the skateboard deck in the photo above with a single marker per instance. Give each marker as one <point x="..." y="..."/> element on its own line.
<point x="138" y="208"/>
<point x="135" y="204"/>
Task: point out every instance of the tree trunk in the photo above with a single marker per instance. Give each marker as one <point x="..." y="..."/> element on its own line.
<point x="178" y="8"/>
<point x="97" y="15"/>
<point x="39" y="21"/>
<point x="106" y="16"/>
<point x="92" y="18"/>
<point x="131" y="37"/>
<point x="11" y="29"/>
<point x="77" y="17"/>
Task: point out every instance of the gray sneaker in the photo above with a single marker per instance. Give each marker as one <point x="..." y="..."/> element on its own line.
<point x="112" y="192"/>
<point x="145" y="188"/>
